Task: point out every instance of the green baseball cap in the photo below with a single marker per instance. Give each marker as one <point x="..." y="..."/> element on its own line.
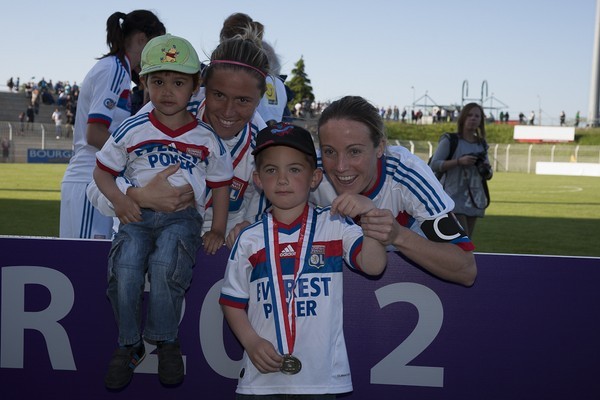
<point x="169" y="53"/>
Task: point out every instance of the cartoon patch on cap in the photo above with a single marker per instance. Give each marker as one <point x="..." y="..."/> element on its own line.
<point x="170" y="54"/>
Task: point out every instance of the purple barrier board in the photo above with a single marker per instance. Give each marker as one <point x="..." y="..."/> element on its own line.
<point x="528" y="329"/>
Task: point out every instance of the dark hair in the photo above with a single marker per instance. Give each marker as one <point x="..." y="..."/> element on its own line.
<point x="237" y="23"/>
<point x="245" y="49"/>
<point x="356" y="108"/>
<point x="120" y="27"/>
<point x="462" y="118"/>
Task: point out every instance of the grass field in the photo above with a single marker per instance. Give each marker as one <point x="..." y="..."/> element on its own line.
<point x="529" y="214"/>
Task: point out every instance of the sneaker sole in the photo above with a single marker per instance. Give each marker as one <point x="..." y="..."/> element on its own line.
<point x="118" y="387"/>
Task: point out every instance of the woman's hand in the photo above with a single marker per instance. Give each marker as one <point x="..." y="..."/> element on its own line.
<point x="467" y="159"/>
<point x="127" y="210"/>
<point x="160" y="195"/>
<point x="235" y="232"/>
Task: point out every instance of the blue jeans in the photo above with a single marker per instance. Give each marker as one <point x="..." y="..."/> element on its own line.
<point x="164" y="245"/>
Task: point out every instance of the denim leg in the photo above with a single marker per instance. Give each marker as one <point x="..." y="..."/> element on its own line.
<point x="126" y="279"/>
<point x="170" y="272"/>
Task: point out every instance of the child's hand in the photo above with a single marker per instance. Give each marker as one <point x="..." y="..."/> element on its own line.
<point x="263" y="355"/>
<point x="212" y="241"/>
<point x="127" y="210"/>
<point x="380" y="224"/>
<point x="351" y="205"/>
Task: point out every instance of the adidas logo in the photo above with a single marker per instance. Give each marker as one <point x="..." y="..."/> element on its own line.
<point x="288" y="251"/>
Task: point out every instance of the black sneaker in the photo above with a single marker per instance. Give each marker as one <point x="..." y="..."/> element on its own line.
<point x="122" y="364"/>
<point x="170" y="363"/>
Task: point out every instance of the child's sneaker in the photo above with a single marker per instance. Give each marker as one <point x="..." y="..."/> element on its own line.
<point x="122" y="364"/>
<point x="170" y="363"/>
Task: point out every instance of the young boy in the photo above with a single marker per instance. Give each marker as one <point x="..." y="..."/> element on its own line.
<point x="282" y="293"/>
<point x="164" y="245"/>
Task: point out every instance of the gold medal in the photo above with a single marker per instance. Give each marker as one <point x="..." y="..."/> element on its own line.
<point x="291" y="365"/>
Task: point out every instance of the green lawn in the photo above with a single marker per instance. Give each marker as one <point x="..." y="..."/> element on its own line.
<point x="541" y="214"/>
<point x="529" y="214"/>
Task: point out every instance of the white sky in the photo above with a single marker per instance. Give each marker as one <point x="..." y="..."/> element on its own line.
<point x="532" y="53"/>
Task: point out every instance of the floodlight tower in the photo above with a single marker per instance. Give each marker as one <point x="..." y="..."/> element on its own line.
<point x="595" y="81"/>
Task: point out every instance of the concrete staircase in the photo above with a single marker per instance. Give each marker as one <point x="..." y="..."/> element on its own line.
<point x="12" y="104"/>
<point x="40" y="136"/>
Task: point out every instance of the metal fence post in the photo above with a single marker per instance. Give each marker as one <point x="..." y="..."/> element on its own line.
<point x="496" y="157"/>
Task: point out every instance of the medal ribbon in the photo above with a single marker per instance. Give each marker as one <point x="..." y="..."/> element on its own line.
<point x="287" y="314"/>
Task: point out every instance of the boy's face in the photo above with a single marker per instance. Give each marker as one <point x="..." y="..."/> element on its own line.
<point x="286" y="176"/>
<point x="169" y="91"/>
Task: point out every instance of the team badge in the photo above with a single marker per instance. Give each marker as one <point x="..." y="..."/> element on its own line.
<point x="109" y="103"/>
<point x="237" y="185"/>
<point x="317" y="257"/>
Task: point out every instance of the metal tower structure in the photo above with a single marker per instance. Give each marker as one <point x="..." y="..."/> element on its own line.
<point x="595" y="81"/>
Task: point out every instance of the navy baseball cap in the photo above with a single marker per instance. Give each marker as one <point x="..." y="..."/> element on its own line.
<point x="285" y="134"/>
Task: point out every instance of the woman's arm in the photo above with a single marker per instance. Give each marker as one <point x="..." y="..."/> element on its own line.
<point x="125" y="209"/>
<point x="443" y="259"/>
<point x="97" y="135"/>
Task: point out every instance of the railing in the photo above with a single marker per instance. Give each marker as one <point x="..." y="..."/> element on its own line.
<point x="514" y="157"/>
<point x="517" y="157"/>
<point x="33" y="136"/>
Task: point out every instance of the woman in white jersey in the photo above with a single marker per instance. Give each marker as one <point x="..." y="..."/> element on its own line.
<point x="234" y="83"/>
<point x="416" y="217"/>
<point x="273" y="104"/>
<point x="104" y="102"/>
<point x="417" y="220"/>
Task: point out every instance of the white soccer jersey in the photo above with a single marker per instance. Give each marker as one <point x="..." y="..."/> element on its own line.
<point x="273" y="102"/>
<point x="142" y="147"/>
<point x="317" y="298"/>
<point x="104" y="97"/>
<point x="240" y="149"/>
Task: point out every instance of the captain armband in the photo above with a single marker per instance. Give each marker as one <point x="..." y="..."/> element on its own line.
<point x="444" y="228"/>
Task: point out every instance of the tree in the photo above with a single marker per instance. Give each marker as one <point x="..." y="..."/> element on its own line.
<point x="300" y="84"/>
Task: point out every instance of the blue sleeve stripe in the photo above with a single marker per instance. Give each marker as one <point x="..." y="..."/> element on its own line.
<point x="129" y="124"/>
<point x="417" y="184"/>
